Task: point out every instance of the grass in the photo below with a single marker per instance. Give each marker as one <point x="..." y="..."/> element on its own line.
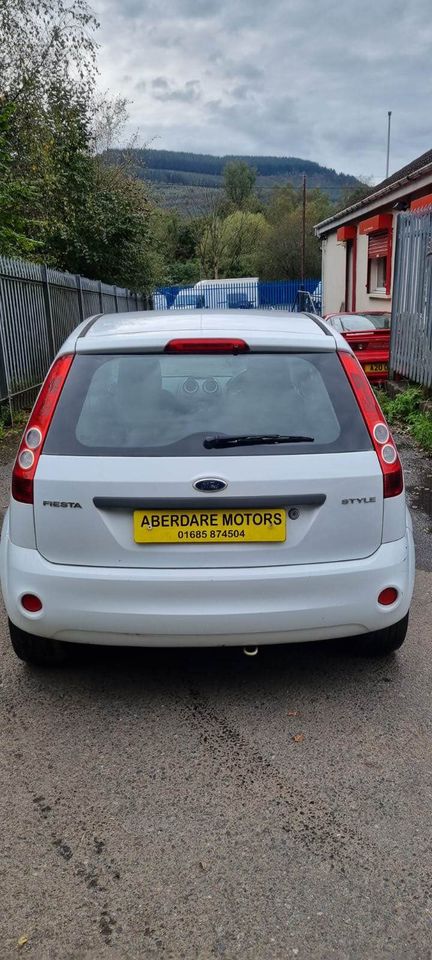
<point x="11" y="431"/>
<point x="405" y="411"/>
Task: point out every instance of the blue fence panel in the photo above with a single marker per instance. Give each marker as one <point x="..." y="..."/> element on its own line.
<point x="241" y="294"/>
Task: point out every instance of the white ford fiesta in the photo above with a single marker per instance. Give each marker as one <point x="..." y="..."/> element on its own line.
<point x="202" y="479"/>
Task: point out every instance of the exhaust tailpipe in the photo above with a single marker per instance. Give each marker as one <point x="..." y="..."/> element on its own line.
<point x="250" y="651"/>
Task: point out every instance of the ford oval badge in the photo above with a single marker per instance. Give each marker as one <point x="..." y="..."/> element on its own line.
<point x="210" y="485"/>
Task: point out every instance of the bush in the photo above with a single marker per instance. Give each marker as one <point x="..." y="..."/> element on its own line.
<point x="404" y="410"/>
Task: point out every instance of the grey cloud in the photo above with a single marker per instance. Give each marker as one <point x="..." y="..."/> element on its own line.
<point x="302" y="77"/>
<point x="189" y="93"/>
<point x="241" y="91"/>
<point x="160" y="83"/>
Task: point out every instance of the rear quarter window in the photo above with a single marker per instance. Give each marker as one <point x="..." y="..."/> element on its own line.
<point x="166" y="405"/>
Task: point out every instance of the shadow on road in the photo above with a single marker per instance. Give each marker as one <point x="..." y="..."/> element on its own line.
<point x="326" y="669"/>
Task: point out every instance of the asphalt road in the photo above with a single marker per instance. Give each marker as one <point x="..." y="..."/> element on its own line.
<point x="158" y="805"/>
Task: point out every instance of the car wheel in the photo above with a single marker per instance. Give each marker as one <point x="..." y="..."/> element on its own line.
<point x="37" y="651"/>
<point x="380" y="643"/>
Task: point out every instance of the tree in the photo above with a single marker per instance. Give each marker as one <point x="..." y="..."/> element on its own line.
<point x="174" y="243"/>
<point x="60" y="203"/>
<point x="14" y="195"/>
<point x="111" y="238"/>
<point x="353" y="195"/>
<point x="239" y="181"/>
<point x="280" y="254"/>
<point x="228" y="247"/>
<point x="43" y="42"/>
<point x="47" y="69"/>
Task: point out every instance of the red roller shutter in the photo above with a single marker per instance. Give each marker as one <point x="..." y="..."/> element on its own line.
<point x="378" y="245"/>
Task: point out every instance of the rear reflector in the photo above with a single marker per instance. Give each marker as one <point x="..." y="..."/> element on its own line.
<point x="375" y="421"/>
<point x="31" y="603"/>
<point x="388" y="596"/>
<point x="36" y="430"/>
<point x="207" y="345"/>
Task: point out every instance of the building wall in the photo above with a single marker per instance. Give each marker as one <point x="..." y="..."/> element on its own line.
<point x="365" y="300"/>
<point x="333" y="274"/>
<point x="334" y="265"/>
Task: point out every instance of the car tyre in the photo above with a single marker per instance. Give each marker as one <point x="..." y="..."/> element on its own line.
<point x="381" y="643"/>
<point x="37" y="651"/>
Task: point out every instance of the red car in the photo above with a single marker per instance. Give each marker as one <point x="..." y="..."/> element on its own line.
<point x="368" y="334"/>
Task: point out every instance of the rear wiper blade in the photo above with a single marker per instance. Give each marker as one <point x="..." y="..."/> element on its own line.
<point x="253" y="439"/>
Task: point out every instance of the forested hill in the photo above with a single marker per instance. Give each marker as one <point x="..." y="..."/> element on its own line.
<point x="183" y="178"/>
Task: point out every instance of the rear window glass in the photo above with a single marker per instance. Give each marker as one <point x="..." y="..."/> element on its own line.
<point x="167" y="405"/>
<point x="361" y="322"/>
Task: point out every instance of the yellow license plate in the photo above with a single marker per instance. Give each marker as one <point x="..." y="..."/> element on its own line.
<point x="209" y="526"/>
<point x="376" y="367"/>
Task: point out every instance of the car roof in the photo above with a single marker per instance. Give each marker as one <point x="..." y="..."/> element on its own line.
<point x="151" y="330"/>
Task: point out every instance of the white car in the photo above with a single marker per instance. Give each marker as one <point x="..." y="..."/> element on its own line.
<point x="203" y="479"/>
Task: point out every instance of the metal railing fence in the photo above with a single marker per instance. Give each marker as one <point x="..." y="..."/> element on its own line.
<point x="243" y="294"/>
<point x="411" y="327"/>
<point x="39" y="308"/>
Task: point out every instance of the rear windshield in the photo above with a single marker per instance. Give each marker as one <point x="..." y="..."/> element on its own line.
<point x="361" y="322"/>
<point x="167" y="405"/>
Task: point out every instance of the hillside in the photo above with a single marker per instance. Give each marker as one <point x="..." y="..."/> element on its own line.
<point x="186" y="181"/>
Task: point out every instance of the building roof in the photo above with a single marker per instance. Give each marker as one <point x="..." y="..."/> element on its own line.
<point x="411" y="171"/>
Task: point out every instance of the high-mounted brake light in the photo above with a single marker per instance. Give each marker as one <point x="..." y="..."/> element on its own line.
<point x="375" y="421"/>
<point x="36" y="430"/>
<point x="207" y="345"/>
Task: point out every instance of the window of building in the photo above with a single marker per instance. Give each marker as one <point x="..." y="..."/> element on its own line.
<point x="378" y="263"/>
<point x="377" y="275"/>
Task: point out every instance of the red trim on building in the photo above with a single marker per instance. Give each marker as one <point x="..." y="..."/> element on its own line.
<point x="388" y="278"/>
<point x="346" y="233"/>
<point x="354" y="271"/>
<point x="421" y="202"/>
<point x="382" y="221"/>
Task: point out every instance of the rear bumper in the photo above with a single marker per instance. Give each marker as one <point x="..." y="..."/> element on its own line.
<point x="365" y="359"/>
<point x="206" y="607"/>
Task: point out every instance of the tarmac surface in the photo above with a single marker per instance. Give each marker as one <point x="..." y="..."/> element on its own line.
<point x="198" y="805"/>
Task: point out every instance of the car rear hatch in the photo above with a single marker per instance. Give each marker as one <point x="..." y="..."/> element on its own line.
<point x="373" y="342"/>
<point x="143" y="462"/>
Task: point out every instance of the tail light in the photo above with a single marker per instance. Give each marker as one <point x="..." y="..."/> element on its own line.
<point x="207" y="345"/>
<point x="37" y="429"/>
<point x="377" y="426"/>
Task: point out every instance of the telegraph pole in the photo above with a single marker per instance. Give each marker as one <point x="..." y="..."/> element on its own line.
<point x="303" y="243"/>
<point x="388" y="143"/>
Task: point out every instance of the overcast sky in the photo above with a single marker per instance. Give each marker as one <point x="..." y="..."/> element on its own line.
<point x="306" y="78"/>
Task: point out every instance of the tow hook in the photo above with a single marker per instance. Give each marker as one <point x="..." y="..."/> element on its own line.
<point x="250" y="651"/>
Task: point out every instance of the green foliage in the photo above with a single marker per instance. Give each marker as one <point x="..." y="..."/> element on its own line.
<point x="228" y="246"/>
<point x="239" y="181"/>
<point x="404" y="410"/>
<point x="14" y="193"/>
<point x="285" y="167"/>
<point x="183" y="180"/>
<point x="353" y="195"/>
<point x="279" y="256"/>
<point x="42" y="42"/>
<point x="404" y="405"/>
<point x="60" y="203"/>
<point x="173" y="248"/>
